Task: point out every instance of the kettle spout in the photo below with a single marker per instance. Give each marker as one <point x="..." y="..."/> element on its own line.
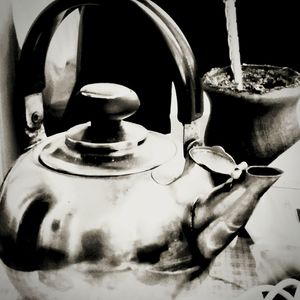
<point x="205" y="168"/>
<point x="217" y="220"/>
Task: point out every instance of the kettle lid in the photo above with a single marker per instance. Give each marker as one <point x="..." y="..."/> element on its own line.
<point x="107" y="145"/>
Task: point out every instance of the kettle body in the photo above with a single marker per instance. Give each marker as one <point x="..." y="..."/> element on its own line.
<point x="94" y="211"/>
<point x="88" y="204"/>
<point x="59" y="219"/>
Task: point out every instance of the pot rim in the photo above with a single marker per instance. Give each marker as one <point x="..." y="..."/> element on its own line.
<point x="291" y="91"/>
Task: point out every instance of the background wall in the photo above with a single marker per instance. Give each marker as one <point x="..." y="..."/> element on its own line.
<point x="8" y="54"/>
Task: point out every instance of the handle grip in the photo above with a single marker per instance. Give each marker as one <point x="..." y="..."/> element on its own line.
<point x="34" y="50"/>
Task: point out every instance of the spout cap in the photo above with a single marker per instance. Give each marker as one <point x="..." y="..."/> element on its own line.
<point x="213" y="158"/>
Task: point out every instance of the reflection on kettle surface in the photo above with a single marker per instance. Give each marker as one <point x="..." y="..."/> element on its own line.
<point x="90" y="213"/>
<point x="86" y="205"/>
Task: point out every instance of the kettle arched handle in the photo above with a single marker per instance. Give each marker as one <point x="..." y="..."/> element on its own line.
<point x="34" y="51"/>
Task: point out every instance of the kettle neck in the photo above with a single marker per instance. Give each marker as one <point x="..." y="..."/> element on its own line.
<point x="194" y="182"/>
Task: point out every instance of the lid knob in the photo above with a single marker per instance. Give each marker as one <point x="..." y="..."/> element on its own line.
<point x="109" y="104"/>
<point x="109" y="101"/>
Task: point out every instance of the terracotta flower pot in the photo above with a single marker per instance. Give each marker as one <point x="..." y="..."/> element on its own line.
<point x="259" y="122"/>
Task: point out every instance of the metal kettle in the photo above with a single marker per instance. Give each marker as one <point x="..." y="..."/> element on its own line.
<point x="90" y="210"/>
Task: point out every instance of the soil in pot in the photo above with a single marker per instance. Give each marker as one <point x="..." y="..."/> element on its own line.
<point x="257" y="79"/>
